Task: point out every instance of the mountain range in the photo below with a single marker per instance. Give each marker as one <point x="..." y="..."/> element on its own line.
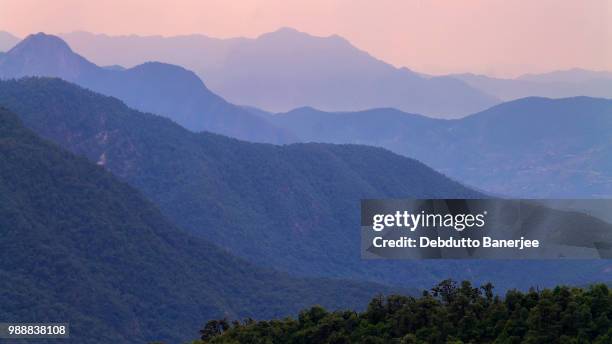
<point x="570" y="75"/>
<point x="558" y="84"/>
<point x="532" y="147"/>
<point x="293" y="208"/>
<point x="329" y="73"/>
<point x="288" y="69"/>
<point x="128" y="213"/>
<point x="152" y="87"/>
<point x="285" y="69"/>
<point x="82" y="247"/>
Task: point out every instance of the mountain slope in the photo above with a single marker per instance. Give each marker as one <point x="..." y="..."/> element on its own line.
<point x="285" y="69"/>
<point x="533" y="147"/>
<point x="79" y="246"/>
<point x="160" y="88"/>
<point x="295" y="208"/>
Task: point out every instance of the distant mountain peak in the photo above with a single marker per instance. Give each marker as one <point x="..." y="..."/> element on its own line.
<point x="288" y="29"/>
<point x="283" y="33"/>
<point x="285" y="30"/>
<point x="41" y="54"/>
<point x="291" y="33"/>
<point x="162" y="75"/>
<point x="155" y="65"/>
<point x="41" y="42"/>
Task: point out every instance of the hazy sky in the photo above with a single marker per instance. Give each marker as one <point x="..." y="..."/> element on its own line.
<point x="497" y="37"/>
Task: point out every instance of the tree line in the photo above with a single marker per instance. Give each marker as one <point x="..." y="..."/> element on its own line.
<point x="449" y="313"/>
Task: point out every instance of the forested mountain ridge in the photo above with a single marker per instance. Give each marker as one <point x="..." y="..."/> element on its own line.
<point x="531" y="147"/>
<point x="294" y="208"/>
<point x="79" y="246"/>
<point x="160" y="88"/>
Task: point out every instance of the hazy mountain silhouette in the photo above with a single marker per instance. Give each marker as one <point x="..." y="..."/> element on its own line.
<point x="285" y="69"/>
<point x="560" y="84"/>
<point x="46" y="55"/>
<point x="7" y="41"/>
<point x="294" y="208"/>
<point x="532" y="147"/>
<point x="569" y="75"/>
<point x="79" y="246"/>
<point x="160" y="88"/>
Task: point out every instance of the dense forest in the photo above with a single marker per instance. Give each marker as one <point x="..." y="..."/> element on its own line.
<point x="448" y="313"/>
<point x="82" y="247"/>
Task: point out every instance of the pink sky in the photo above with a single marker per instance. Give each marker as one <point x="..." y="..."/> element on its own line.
<point x="496" y="37"/>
